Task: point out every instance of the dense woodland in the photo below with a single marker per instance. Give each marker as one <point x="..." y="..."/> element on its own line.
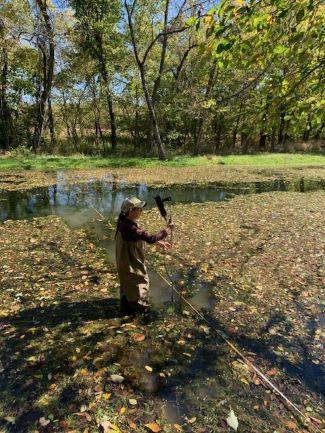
<point x="162" y="77"/>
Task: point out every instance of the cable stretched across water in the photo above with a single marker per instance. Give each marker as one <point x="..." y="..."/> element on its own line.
<point x="293" y="407"/>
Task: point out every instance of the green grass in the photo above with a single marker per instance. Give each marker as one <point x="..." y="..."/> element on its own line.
<point x="46" y="162"/>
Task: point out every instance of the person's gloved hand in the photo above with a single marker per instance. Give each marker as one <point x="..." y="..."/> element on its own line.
<point x="164" y="244"/>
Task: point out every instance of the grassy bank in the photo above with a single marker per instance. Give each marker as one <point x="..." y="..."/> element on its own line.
<point x="49" y="162"/>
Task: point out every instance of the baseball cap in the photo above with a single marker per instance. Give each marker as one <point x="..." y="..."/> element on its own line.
<point x="130" y="203"/>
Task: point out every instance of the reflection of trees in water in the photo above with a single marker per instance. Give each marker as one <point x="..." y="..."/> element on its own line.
<point x="115" y="182"/>
<point x="107" y="196"/>
<point x="21" y="204"/>
<point x="52" y="193"/>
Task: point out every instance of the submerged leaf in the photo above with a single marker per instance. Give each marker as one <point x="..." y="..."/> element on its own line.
<point x="291" y="425"/>
<point x="108" y="427"/>
<point x="116" y="378"/>
<point x="43" y="421"/>
<point x="138" y="337"/>
<point x="154" y="427"/>
<point x="232" y="420"/>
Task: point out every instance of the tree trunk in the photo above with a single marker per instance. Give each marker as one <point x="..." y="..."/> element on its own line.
<point x="75" y="137"/>
<point x="202" y="119"/>
<point x="198" y="136"/>
<point x="5" y="115"/>
<point x="244" y="142"/>
<point x="162" y="56"/>
<point x="98" y="130"/>
<point x="65" y="114"/>
<point x="40" y="108"/>
<point x="262" y="142"/>
<point x="306" y="134"/>
<point x="150" y="104"/>
<point x="153" y="117"/>
<point x="136" y="122"/>
<point x="51" y="122"/>
<point x="112" y="120"/>
<point x="217" y="126"/>
<point x="104" y="75"/>
<point x="263" y="128"/>
<point x="281" y="134"/>
<point x="273" y="139"/>
<point x="48" y="70"/>
<point x="234" y="133"/>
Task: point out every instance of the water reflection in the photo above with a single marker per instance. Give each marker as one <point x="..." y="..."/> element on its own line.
<point x="64" y="199"/>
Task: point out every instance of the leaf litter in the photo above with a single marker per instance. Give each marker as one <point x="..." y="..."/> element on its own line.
<point x="61" y="341"/>
<point x="156" y="176"/>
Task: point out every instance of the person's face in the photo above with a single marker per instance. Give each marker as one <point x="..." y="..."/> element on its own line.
<point x="135" y="213"/>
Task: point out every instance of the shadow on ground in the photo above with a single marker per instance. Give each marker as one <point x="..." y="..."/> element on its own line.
<point x="39" y="344"/>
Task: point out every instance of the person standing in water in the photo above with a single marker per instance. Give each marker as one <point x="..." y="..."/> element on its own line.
<point x="131" y="243"/>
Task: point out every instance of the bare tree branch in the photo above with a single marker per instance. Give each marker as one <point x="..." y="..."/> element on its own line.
<point x="247" y="86"/>
<point x="163" y="54"/>
<point x="167" y="33"/>
<point x="184" y="57"/>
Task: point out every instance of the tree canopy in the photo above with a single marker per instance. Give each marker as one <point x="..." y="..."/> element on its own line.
<point x="143" y="77"/>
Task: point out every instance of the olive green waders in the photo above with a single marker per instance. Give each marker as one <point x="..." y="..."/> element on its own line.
<point x="132" y="272"/>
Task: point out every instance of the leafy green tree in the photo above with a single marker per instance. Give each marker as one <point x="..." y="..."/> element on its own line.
<point x="98" y="21"/>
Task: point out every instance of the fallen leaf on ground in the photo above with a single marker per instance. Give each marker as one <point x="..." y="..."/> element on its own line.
<point x="154" y="427"/>
<point x="256" y="380"/>
<point x="132" y="424"/>
<point x="316" y="420"/>
<point x="272" y="372"/>
<point x="245" y="381"/>
<point x="108" y="427"/>
<point x="232" y="420"/>
<point x="291" y="425"/>
<point x="44" y="422"/>
<point x="138" y="337"/>
<point x="116" y="378"/>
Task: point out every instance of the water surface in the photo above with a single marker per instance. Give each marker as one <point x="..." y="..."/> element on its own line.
<point x="68" y="200"/>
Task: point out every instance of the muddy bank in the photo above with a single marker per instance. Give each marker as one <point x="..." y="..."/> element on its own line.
<point x="158" y="177"/>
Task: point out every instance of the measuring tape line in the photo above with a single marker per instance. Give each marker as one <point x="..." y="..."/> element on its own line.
<point x="270" y="384"/>
<point x="265" y="379"/>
